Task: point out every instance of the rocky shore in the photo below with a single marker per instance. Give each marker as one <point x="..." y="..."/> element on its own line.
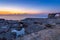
<point x="50" y="29"/>
<point x="31" y="29"/>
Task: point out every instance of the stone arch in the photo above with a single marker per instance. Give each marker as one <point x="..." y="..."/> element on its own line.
<point x="53" y="15"/>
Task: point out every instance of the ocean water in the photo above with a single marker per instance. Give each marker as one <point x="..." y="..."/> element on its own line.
<point x="20" y="17"/>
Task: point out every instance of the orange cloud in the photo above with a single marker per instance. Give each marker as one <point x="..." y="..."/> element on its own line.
<point x="10" y="12"/>
<point x="4" y="12"/>
<point x="16" y="12"/>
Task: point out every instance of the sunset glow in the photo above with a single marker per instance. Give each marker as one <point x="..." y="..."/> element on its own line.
<point x="29" y="6"/>
<point x="9" y="10"/>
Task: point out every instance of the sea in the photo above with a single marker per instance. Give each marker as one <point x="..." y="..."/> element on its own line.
<point x="22" y="16"/>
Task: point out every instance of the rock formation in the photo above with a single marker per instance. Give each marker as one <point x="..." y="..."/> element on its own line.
<point x="47" y="34"/>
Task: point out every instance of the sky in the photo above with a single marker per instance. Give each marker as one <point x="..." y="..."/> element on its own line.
<point x="29" y="6"/>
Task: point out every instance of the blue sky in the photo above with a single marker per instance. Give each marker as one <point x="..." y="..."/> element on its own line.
<point x="33" y="6"/>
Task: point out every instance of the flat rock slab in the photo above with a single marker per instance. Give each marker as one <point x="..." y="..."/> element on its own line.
<point x="47" y="34"/>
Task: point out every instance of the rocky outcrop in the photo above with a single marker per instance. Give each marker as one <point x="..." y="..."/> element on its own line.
<point x="54" y="15"/>
<point x="51" y="15"/>
<point x="47" y="34"/>
<point x="34" y="28"/>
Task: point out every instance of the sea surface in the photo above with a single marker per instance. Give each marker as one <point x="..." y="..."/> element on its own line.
<point x="20" y="17"/>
